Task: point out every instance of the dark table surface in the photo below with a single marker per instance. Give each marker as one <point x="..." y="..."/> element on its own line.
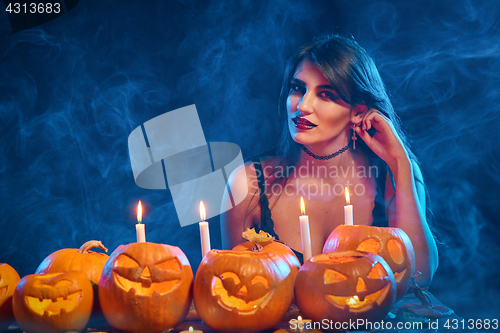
<point x="407" y="319"/>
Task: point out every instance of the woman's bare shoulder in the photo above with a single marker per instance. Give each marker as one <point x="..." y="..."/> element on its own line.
<point x="243" y="185"/>
<point x="243" y="175"/>
<point x="244" y="209"/>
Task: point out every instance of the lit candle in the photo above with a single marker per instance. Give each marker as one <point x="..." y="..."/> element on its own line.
<point x="299" y="324"/>
<point x="304" y="232"/>
<point x="139" y="227"/>
<point x="353" y="301"/>
<point x="347" y="209"/>
<point x="191" y="330"/>
<point x="204" y="232"/>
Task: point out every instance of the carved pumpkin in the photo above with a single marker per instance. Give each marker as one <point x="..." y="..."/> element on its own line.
<point x="88" y="262"/>
<point x="242" y="291"/>
<point x="8" y="282"/>
<point x="392" y="244"/>
<point x="83" y="260"/>
<point x="345" y="286"/>
<point x="146" y="287"/>
<point x="56" y="302"/>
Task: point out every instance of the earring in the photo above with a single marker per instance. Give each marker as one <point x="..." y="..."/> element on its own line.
<point x="354" y="138"/>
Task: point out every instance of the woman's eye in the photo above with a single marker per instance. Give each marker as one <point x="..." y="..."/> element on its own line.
<point x="296" y="88"/>
<point x="329" y="95"/>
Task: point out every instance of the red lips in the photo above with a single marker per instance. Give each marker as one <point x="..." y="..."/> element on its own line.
<point x="303" y="123"/>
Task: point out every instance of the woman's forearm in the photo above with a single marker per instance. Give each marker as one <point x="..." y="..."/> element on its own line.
<point x="410" y="216"/>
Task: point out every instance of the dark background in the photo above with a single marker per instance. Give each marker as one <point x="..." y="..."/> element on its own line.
<point x="72" y="90"/>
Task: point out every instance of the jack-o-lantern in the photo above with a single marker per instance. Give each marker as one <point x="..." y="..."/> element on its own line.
<point x="392" y="244"/>
<point x="56" y="302"/>
<point x="8" y="282"/>
<point x="83" y="260"/>
<point x="345" y="286"/>
<point x="146" y="287"/>
<point x="88" y="262"/>
<point x="242" y="291"/>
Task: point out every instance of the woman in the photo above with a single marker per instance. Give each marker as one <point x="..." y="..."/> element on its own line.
<point x="339" y="129"/>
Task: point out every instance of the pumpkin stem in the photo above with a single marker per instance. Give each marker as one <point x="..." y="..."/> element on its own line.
<point x="257" y="238"/>
<point x="257" y="247"/>
<point x="91" y="244"/>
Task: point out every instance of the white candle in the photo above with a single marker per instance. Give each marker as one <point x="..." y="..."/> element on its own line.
<point x="191" y="330"/>
<point x="304" y="232"/>
<point x="299" y="324"/>
<point x="139" y="227"/>
<point x="348" y="219"/>
<point x="204" y="232"/>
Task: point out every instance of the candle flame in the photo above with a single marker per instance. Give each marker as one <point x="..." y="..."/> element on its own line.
<point x="353" y="300"/>
<point x="347" y="198"/>
<point x="190" y="328"/>
<point x="302" y="206"/>
<point x="203" y="214"/>
<point x="299" y="318"/>
<point x="139" y="212"/>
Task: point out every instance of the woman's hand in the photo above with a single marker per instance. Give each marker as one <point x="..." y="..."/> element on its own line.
<point x="386" y="142"/>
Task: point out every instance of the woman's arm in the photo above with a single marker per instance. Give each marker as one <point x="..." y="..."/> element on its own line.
<point x="234" y="221"/>
<point x="408" y="207"/>
<point x="407" y="212"/>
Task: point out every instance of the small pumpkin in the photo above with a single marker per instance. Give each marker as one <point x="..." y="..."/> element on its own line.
<point x="8" y="282"/>
<point x="392" y="244"/>
<point x="56" y="302"/>
<point x="242" y="291"/>
<point x="146" y="287"/>
<point x="83" y="260"/>
<point x="345" y="286"/>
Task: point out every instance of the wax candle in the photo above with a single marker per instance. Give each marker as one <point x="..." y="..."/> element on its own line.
<point x="299" y="324"/>
<point x="347" y="209"/>
<point x="305" y="232"/>
<point x="139" y="227"/>
<point x="204" y="232"/>
<point x="191" y="330"/>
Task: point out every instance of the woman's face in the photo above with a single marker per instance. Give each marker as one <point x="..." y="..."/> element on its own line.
<point x="317" y="117"/>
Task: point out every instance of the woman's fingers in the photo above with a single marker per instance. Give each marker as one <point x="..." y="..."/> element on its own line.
<point x="375" y="119"/>
<point x="363" y="134"/>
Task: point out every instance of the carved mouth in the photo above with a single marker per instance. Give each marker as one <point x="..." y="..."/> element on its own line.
<point x="231" y="302"/>
<point x="356" y="305"/>
<point x="53" y="307"/>
<point x="146" y="287"/>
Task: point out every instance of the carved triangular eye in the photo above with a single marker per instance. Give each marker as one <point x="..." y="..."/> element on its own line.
<point x="171" y="264"/>
<point x="396" y="252"/>
<point x="378" y="271"/>
<point x="369" y="245"/>
<point x="126" y="267"/>
<point x="332" y="276"/>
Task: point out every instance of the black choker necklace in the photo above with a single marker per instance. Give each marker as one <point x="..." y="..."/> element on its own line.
<point x="327" y="157"/>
